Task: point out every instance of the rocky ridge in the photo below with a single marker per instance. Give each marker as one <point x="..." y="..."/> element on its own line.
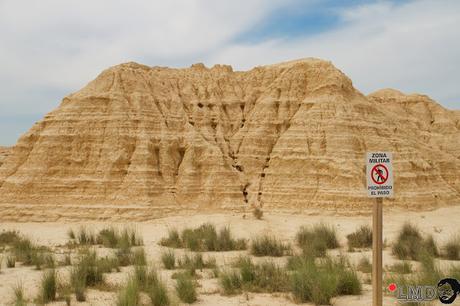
<point x="142" y="142"/>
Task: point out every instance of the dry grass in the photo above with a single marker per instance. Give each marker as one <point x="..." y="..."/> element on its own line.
<point x="204" y="238"/>
<point x="411" y="245"/>
<point x="361" y="238"/>
<point x="268" y="246"/>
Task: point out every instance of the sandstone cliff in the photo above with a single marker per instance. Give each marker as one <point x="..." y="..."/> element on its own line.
<point x="141" y="142"/>
<point x="4" y="152"/>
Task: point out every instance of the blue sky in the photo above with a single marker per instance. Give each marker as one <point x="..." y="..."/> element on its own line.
<point x="50" y="48"/>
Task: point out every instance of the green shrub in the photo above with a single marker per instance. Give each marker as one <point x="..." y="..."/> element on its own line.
<point x="196" y="262"/>
<point x="89" y="271"/>
<point x="318" y="282"/>
<point x="430" y="246"/>
<point x="319" y="232"/>
<point x="268" y="246"/>
<point x="361" y="238"/>
<point x="227" y="243"/>
<point x="10" y="262"/>
<point x="452" y="248"/>
<point x="262" y="277"/>
<point x="85" y="236"/>
<point x="139" y="257"/>
<point x="186" y="288"/>
<point x="128" y="238"/>
<point x="173" y="239"/>
<point x="129" y="295"/>
<point x="411" y="245"/>
<point x="203" y="238"/>
<point x="151" y="283"/>
<point x="364" y="265"/>
<point x="9" y="237"/>
<point x="231" y="282"/>
<point x="247" y="269"/>
<point x="157" y="291"/>
<point x="125" y="256"/>
<point x="401" y="267"/>
<point x="19" y="296"/>
<point x="48" y="286"/>
<point x="169" y="260"/>
<point x="71" y="234"/>
<point x="429" y="274"/>
<point x="269" y="277"/>
<point x="316" y="248"/>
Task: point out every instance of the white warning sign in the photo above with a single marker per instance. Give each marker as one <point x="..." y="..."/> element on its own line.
<point x="379" y="175"/>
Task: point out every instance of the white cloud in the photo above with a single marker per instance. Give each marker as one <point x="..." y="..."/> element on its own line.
<point x="414" y="47"/>
<point x="52" y="47"/>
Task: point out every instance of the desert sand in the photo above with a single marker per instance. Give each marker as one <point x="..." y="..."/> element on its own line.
<point x="440" y="223"/>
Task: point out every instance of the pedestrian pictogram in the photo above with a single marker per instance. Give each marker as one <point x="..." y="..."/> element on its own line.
<point x="379" y="175"/>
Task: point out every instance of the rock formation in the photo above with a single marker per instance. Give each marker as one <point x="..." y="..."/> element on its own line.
<point x="4" y="152"/>
<point x="141" y="142"/>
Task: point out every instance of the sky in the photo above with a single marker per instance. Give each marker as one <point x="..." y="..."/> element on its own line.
<point x="51" y="48"/>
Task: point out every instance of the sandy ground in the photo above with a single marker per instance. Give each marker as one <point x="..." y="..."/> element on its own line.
<point x="441" y="223"/>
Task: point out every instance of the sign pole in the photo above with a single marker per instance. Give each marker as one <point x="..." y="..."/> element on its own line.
<point x="377" y="252"/>
<point x="379" y="173"/>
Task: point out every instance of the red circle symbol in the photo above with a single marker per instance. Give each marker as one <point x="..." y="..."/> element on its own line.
<point x="392" y="287"/>
<point x="379" y="174"/>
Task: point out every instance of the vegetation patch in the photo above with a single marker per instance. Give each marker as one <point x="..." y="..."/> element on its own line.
<point x="204" y="238"/>
<point x="263" y="277"/>
<point x="268" y="246"/>
<point x="19" y="296"/>
<point x="168" y="259"/>
<point x="364" y="265"/>
<point x="319" y="281"/>
<point x="186" y="288"/>
<point x="401" y="268"/>
<point x="48" y="286"/>
<point x="451" y="249"/>
<point x="315" y="240"/>
<point x="129" y="295"/>
<point x="361" y="238"/>
<point x="110" y="237"/>
<point x="410" y="245"/>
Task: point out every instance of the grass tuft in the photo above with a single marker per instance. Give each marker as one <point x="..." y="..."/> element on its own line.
<point x="315" y="240"/>
<point x="9" y="237"/>
<point x="169" y="260"/>
<point x="451" y="249"/>
<point x="186" y="288"/>
<point x="48" y="286"/>
<point x="231" y="282"/>
<point x="19" y="296"/>
<point x="268" y="246"/>
<point x="318" y="282"/>
<point x="411" y="245"/>
<point x="361" y="238"/>
<point x="262" y="277"/>
<point x="401" y="267"/>
<point x="10" y="262"/>
<point x="129" y="295"/>
<point x="203" y="238"/>
<point x="364" y="265"/>
<point x="158" y="292"/>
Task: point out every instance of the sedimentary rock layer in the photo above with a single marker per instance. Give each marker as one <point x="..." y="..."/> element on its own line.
<point x="142" y="142"/>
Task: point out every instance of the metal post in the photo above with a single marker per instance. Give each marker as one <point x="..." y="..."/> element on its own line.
<point x="377" y="253"/>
